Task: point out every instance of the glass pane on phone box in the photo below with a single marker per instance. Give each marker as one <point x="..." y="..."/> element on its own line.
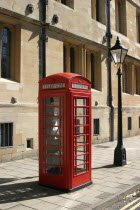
<point x="81" y="150"/>
<point x="55" y="131"/>
<point x="53" y="121"/>
<point x="53" y="111"/>
<point x="79" y="130"/>
<point x="81" y="169"/>
<point x="80" y="111"/>
<point x="54" y="170"/>
<point x="81" y="102"/>
<point x="54" y="140"/>
<point x="54" y="101"/>
<point x="80" y="120"/>
<point x="80" y="140"/>
<point x="54" y="150"/>
<point x="54" y="160"/>
<point x="81" y="159"/>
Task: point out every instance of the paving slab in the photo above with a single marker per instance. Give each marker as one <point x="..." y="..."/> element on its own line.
<point x="19" y="188"/>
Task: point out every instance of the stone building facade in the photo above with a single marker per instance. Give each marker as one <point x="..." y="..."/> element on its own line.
<point x="75" y="37"/>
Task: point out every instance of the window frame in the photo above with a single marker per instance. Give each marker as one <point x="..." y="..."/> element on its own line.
<point x="138" y="26"/>
<point x="120" y="14"/>
<point x="69" y="64"/>
<point x="10" y="130"/>
<point x="68" y="3"/>
<point x="137" y="80"/>
<point x="129" y="125"/>
<point x="96" y="122"/>
<point x="94" y="68"/>
<point x="15" y="51"/>
<point x="98" y="11"/>
<point x="8" y="56"/>
<point x="127" y="73"/>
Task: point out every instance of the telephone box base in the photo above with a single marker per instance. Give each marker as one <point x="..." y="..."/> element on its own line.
<point x="69" y="190"/>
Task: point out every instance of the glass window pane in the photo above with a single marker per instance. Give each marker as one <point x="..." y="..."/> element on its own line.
<point x="96" y="127"/>
<point x="6" y="134"/>
<point x="54" y="170"/>
<point x="81" y="101"/>
<point x="53" y="140"/>
<point x="10" y="134"/>
<point x="80" y="120"/>
<point x="2" y="135"/>
<point x="81" y="150"/>
<point x="54" y="151"/>
<point x="55" y="131"/>
<point x="81" y="159"/>
<point x="80" y="111"/>
<point x="80" y="130"/>
<point x="53" y="101"/>
<point x="129" y="123"/>
<point x="81" y="169"/>
<point x="54" y="160"/>
<point x="5" y="54"/>
<point x="53" y="111"/>
<point x="81" y="140"/>
<point x="53" y="121"/>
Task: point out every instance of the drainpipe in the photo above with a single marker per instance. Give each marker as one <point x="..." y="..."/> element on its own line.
<point x="110" y="97"/>
<point x="42" y="40"/>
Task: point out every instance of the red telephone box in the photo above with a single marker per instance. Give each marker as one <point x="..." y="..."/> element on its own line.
<point x="65" y="131"/>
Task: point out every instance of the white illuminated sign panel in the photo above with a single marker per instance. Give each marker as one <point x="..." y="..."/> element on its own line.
<point x="79" y="86"/>
<point x="54" y="86"/>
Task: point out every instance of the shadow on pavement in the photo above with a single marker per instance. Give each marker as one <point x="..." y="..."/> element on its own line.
<point x="107" y="166"/>
<point x="6" y="180"/>
<point x="24" y="191"/>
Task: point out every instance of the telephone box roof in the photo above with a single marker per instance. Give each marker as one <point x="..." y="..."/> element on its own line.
<point x="68" y="76"/>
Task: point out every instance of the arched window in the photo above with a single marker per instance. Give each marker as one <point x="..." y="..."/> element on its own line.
<point x="5" y="53"/>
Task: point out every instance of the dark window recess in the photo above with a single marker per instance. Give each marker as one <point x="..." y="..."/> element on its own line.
<point x="137" y="82"/>
<point x="64" y="2"/>
<point x="97" y="10"/>
<point x="139" y="122"/>
<point x="6" y="134"/>
<point x="124" y="81"/>
<point x="129" y="123"/>
<point x="138" y="27"/>
<point x="96" y="126"/>
<point x="119" y="17"/>
<point x="92" y="71"/>
<point x="72" y="60"/>
<point x="64" y="59"/>
<point x="28" y="143"/>
<point x="5" y="54"/>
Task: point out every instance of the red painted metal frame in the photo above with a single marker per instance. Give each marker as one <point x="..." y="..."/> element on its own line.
<point x="69" y="179"/>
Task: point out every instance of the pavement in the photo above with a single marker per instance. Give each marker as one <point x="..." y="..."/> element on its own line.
<point x="19" y="188"/>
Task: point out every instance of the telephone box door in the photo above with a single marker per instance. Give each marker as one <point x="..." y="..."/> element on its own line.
<point x="81" y="139"/>
<point x="52" y="144"/>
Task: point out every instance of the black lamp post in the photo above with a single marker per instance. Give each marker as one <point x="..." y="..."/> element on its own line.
<point x="118" y="52"/>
